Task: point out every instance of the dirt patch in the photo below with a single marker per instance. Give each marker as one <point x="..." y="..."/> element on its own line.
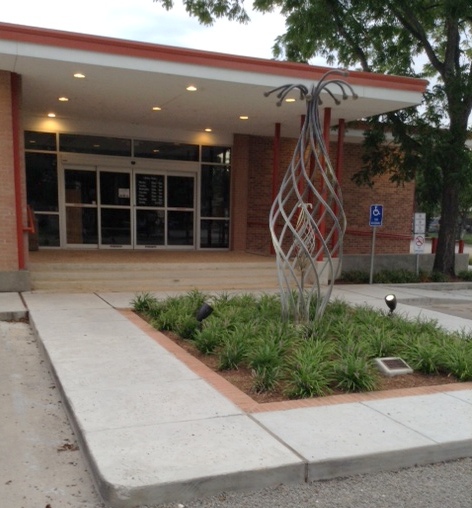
<point x="242" y="378"/>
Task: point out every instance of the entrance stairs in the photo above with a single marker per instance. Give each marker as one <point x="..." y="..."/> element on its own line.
<point x="135" y="271"/>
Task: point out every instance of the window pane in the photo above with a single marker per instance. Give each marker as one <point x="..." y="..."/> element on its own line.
<point x="116" y="226"/>
<point x="40" y="141"/>
<point x="167" y="151"/>
<point x="41" y="181"/>
<point x="114" y="188"/>
<point x="81" y="225"/>
<point x="81" y="186"/>
<point x="48" y="230"/>
<point x="150" y="190"/>
<point x="180" y="228"/>
<point x="150" y="227"/>
<point x="215" y="191"/>
<point x="95" y="144"/>
<point x="180" y="192"/>
<point x="218" y="154"/>
<point x="214" y="234"/>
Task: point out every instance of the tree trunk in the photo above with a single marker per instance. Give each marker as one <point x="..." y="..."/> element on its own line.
<point x="444" y="260"/>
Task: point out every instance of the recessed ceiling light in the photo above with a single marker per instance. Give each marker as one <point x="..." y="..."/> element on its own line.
<point x="191" y="88"/>
<point x="156" y="108"/>
<point x="63" y="99"/>
<point x="290" y="99"/>
<point x="208" y="129"/>
<point x="79" y="75"/>
<point x="52" y="115"/>
<point x="244" y="117"/>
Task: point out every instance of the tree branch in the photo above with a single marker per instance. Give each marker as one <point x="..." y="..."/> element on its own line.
<point x="411" y="23"/>
<point x="341" y="24"/>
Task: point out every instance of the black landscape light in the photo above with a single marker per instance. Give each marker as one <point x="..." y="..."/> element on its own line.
<point x="204" y="311"/>
<point x="391" y="301"/>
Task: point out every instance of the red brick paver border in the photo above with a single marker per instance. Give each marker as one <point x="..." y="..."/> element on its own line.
<point x="247" y="404"/>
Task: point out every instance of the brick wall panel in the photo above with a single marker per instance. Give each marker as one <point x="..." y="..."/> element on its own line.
<point x="398" y="202"/>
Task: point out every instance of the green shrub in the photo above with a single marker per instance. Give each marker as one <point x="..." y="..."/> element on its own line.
<point x="207" y="339"/>
<point x="266" y="379"/>
<point x="265" y="354"/>
<point x="379" y="342"/>
<point x="438" y="277"/>
<point x="465" y="275"/>
<point x="232" y="352"/>
<point x="399" y="276"/>
<point x="354" y="374"/>
<point x="186" y="327"/>
<point x="310" y="371"/>
<point x="457" y="359"/>
<point x="423" y="354"/>
<point x="143" y="302"/>
<point x="355" y="277"/>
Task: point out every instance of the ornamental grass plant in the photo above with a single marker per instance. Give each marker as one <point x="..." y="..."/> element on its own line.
<point x="335" y="354"/>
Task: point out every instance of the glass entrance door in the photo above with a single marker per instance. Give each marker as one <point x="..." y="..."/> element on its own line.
<point x="81" y="207"/>
<point x="115" y="209"/>
<point x="108" y="208"/>
<point x="180" y="210"/>
<point x="165" y="210"/>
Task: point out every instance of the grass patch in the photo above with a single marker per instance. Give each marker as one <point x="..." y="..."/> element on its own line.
<point x="332" y="355"/>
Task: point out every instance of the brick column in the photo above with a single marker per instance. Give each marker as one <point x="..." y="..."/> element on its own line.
<point x="12" y="277"/>
<point x="239" y="192"/>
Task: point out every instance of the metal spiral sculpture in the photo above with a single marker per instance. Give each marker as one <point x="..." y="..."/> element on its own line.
<point x="307" y="220"/>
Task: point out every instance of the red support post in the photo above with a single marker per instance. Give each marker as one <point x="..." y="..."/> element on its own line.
<point x="339" y="170"/>
<point x="326" y="135"/>
<point x="275" y="168"/>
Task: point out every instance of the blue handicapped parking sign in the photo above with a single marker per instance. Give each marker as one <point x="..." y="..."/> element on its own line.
<point x="376" y="215"/>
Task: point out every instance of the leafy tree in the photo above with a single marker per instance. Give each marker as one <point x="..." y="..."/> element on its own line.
<point x="391" y="36"/>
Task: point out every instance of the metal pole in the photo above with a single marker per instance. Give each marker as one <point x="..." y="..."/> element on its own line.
<point x="374" y="229"/>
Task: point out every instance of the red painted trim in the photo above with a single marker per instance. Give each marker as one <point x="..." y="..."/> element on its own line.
<point x="380" y="234"/>
<point x="340" y="152"/>
<point x="326" y="136"/>
<point x="275" y="168"/>
<point x="15" y="127"/>
<point x="339" y="170"/>
<point x="96" y="44"/>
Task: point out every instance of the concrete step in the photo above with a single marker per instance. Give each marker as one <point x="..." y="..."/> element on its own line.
<point x="153" y="277"/>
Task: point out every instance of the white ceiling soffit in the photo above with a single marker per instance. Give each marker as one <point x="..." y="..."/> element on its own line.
<point x="123" y="88"/>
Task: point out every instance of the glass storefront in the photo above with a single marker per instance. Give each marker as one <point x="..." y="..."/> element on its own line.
<point x="110" y="205"/>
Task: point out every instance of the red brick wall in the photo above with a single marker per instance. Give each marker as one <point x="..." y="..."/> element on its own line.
<point x="398" y="209"/>
<point x="8" y="241"/>
<point x="252" y="180"/>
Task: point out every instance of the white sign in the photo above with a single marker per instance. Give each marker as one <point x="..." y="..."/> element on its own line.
<point x="420" y="223"/>
<point x="123" y="193"/>
<point x="418" y="243"/>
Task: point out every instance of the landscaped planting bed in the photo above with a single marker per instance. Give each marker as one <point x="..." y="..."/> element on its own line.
<point x="246" y="339"/>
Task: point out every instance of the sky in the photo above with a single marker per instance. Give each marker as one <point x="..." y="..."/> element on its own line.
<point x="148" y="21"/>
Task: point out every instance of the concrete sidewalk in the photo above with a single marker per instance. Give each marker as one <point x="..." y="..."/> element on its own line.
<point x="156" y="428"/>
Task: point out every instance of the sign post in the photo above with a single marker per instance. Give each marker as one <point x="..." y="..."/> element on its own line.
<point x="419" y="239"/>
<point x="376" y="219"/>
